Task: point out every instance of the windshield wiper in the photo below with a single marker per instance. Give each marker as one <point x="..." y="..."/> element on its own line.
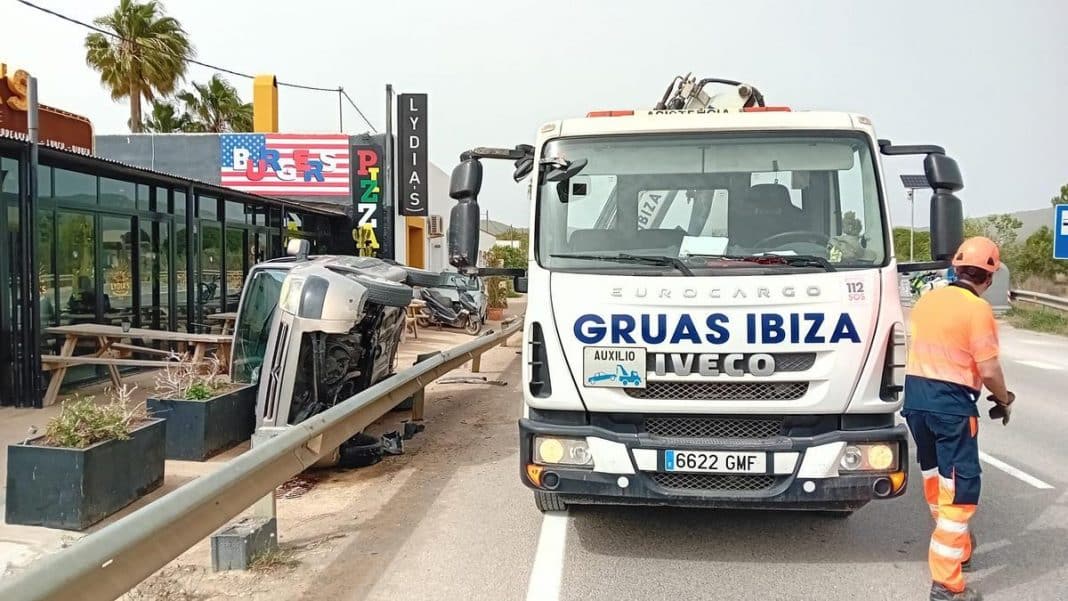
<point x="773" y="259"/>
<point x="663" y="260"/>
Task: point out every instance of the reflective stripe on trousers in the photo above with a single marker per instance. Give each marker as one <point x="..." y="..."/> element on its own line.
<point x="950" y="543"/>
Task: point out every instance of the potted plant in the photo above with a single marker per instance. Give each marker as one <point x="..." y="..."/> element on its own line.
<point x="496" y="298"/>
<point x="93" y="460"/>
<point x="205" y="414"/>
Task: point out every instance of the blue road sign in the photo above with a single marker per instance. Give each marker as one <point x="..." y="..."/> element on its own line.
<point x="1060" y="232"/>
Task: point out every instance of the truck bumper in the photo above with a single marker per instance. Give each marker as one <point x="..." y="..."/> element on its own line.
<point x="802" y="472"/>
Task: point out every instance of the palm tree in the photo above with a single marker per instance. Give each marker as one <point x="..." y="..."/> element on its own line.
<point x="166" y="118"/>
<point x="146" y="56"/>
<point x="216" y="107"/>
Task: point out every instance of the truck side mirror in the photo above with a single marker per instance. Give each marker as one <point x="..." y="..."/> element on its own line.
<point x="520" y="284"/>
<point x="947" y="225"/>
<point x="466" y="181"/>
<point x="942" y="173"/>
<point x="464" y="186"/>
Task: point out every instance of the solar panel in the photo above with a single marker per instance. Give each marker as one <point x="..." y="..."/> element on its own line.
<point x="915" y="181"/>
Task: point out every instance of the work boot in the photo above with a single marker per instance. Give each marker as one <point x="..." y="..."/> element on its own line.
<point x="966" y="565"/>
<point x="941" y="593"/>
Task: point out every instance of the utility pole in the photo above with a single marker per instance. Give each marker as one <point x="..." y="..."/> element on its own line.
<point x="340" y="113"/>
<point x="388" y="248"/>
<point x="29" y="285"/>
<point x="912" y="225"/>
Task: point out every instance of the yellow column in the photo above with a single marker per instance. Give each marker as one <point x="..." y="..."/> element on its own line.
<point x="265" y="103"/>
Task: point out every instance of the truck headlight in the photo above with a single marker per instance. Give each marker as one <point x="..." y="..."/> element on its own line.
<point x="873" y="457"/>
<point x="553" y="450"/>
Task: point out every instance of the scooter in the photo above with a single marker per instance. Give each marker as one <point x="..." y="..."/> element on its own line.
<point x="438" y="310"/>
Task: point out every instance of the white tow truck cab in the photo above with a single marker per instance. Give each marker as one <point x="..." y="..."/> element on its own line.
<point x="713" y="314"/>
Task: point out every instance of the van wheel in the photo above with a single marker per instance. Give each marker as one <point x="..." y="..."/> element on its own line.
<point x="425" y="279"/>
<point x="385" y="292"/>
<point x="548" y="502"/>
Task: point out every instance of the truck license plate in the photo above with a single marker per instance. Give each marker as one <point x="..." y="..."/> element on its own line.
<point x="717" y="462"/>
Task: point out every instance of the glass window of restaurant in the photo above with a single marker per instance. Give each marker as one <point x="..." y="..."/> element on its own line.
<point x="116" y="247"/>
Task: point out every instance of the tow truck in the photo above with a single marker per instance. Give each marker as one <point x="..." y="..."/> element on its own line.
<point x="738" y="257"/>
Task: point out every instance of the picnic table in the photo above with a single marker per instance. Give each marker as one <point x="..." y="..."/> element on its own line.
<point x="109" y="344"/>
<point x="228" y="318"/>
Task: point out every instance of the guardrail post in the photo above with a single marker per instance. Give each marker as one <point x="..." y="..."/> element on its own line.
<point x="266" y="507"/>
<point x="419" y="398"/>
<point x="476" y="363"/>
<point x="237" y="545"/>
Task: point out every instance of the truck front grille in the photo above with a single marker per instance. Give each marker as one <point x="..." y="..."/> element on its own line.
<point x="721" y="391"/>
<point x="794" y="361"/>
<point x="714" y="482"/>
<point x="713" y="427"/>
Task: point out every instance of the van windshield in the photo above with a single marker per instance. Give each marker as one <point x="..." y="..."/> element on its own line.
<point x="254" y="323"/>
<point x="685" y="195"/>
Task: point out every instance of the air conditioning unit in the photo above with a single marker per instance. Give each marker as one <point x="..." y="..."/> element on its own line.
<point x="437" y="227"/>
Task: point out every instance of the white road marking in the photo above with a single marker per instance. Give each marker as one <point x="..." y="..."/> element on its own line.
<point x="1056" y="343"/>
<point x="548" y="566"/>
<point x="1014" y="472"/>
<point x="1041" y="364"/>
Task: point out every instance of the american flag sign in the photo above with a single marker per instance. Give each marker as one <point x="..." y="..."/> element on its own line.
<point x="286" y="164"/>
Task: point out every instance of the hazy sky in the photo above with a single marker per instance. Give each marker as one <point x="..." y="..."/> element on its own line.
<point x="987" y="80"/>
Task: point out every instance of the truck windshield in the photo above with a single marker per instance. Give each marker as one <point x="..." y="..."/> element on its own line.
<point x="254" y="323"/>
<point x="683" y="195"/>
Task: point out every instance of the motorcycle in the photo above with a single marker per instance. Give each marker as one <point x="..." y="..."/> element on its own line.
<point x="439" y="310"/>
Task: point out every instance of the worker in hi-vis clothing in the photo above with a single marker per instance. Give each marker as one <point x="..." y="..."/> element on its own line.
<point x="952" y="354"/>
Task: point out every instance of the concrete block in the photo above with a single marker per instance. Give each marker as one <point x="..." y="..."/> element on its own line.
<point x="237" y="545"/>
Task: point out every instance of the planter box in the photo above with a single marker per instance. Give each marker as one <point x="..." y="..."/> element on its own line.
<point x="73" y="489"/>
<point x="197" y="430"/>
<point x="494" y="314"/>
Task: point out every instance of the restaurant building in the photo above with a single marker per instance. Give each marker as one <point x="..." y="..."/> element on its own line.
<point x="100" y="241"/>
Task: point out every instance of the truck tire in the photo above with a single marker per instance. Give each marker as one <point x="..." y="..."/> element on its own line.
<point x="837" y="514"/>
<point x="384" y="292"/>
<point x="425" y="279"/>
<point x="546" y="501"/>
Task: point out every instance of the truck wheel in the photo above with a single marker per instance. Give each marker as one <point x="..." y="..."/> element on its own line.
<point x="384" y="292"/>
<point x="425" y="279"/>
<point x="837" y="514"/>
<point x="548" y="502"/>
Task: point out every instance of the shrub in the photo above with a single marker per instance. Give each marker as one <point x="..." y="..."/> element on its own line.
<point x="82" y="422"/>
<point x="496" y="293"/>
<point x="181" y="380"/>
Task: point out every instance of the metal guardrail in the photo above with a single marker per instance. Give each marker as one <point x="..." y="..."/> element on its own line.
<point x="110" y="562"/>
<point x="1037" y="298"/>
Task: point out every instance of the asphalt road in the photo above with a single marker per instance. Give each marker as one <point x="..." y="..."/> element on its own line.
<point x="472" y="531"/>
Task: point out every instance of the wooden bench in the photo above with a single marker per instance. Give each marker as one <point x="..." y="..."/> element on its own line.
<point x="53" y="362"/>
<point x="142" y="349"/>
<point x="110" y="346"/>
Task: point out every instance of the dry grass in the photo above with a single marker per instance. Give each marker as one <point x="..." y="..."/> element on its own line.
<point x="275" y="559"/>
<point x="82" y="422"/>
<point x="169" y="584"/>
<point x="1044" y="286"/>
<point x="1039" y="320"/>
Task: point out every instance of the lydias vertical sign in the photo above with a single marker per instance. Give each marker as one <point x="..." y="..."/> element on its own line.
<point x="411" y="152"/>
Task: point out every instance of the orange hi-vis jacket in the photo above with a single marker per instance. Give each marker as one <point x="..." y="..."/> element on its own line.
<point x="951" y="330"/>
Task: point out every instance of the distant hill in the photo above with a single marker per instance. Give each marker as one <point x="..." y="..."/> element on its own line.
<point x="1034" y="219"/>
<point x="1031" y="219"/>
<point x="496" y="228"/>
